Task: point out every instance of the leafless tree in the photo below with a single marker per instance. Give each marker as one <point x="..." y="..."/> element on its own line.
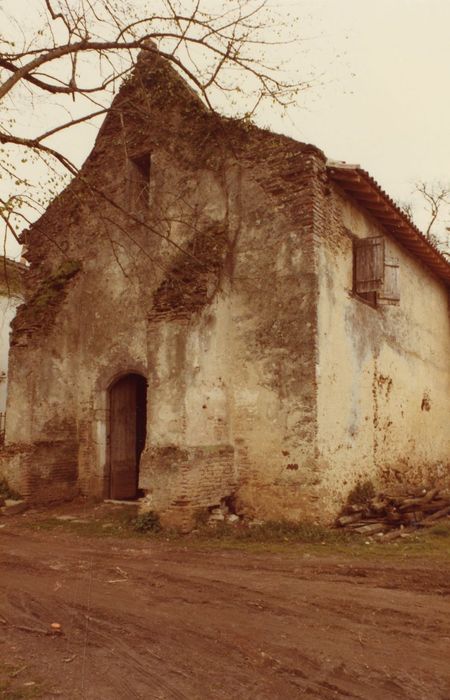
<point x="436" y="197"/>
<point x="407" y="208"/>
<point x="75" y="53"/>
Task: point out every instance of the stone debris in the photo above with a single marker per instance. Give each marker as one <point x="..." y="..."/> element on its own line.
<point x="396" y="515"/>
<point x="233" y="518"/>
<point x="222" y="514"/>
<point x="216" y="515"/>
<point x="13" y="507"/>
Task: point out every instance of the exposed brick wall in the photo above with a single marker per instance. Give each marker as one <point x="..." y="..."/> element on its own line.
<point x="204" y="476"/>
<point x="44" y="471"/>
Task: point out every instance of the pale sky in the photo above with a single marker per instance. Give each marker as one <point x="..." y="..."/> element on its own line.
<point x="385" y="103"/>
<point x="381" y="95"/>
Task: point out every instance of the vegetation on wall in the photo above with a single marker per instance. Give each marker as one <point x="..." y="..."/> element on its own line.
<point x="39" y="311"/>
<point x="51" y="287"/>
<point x="77" y="53"/>
<point x="194" y="276"/>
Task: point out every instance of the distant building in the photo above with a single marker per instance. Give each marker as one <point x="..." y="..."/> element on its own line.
<point x="11" y="295"/>
<point x="214" y="311"/>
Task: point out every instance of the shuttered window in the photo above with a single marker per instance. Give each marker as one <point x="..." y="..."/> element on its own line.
<point x="375" y="278"/>
<point x="369" y="264"/>
<point x="390" y="293"/>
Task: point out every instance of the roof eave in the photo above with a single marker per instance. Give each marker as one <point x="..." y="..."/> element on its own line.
<point x="368" y="193"/>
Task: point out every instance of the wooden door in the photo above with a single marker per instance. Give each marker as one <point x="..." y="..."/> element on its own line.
<point x="123" y="436"/>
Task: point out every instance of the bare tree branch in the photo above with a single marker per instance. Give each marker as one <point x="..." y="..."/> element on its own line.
<point x="82" y="48"/>
<point x="436" y="197"/>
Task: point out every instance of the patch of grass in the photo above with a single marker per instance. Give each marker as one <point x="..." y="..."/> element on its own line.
<point x="116" y="522"/>
<point x="279" y="531"/>
<point x="84" y="528"/>
<point x="147" y="522"/>
<point x="430" y="543"/>
<point x="314" y="539"/>
<point x="6" y="491"/>
<point x="274" y="536"/>
<point x="283" y="537"/>
<point x="49" y="290"/>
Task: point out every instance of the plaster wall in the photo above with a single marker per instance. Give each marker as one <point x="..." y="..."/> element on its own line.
<point x="383" y="397"/>
<point x="231" y="385"/>
<point x="58" y="406"/>
<point x="212" y="302"/>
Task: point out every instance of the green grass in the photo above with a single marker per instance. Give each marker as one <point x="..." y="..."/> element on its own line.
<point x="271" y="536"/>
<point x="90" y="528"/>
<point x="417" y="546"/>
<point x="276" y="531"/>
<point x="147" y="522"/>
<point x="52" y="286"/>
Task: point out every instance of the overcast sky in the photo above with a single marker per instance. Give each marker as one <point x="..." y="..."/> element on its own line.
<point x="385" y="98"/>
<point x="381" y="95"/>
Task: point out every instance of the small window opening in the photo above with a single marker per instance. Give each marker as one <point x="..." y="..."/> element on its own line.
<point x="375" y="277"/>
<point x="139" y="180"/>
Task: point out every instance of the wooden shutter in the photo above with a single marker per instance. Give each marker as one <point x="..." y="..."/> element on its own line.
<point x="390" y="294"/>
<point x="369" y="265"/>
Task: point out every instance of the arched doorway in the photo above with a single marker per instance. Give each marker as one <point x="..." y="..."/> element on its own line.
<point x="127" y="432"/>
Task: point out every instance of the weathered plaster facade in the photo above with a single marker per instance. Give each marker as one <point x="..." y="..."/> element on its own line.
<point x="383" y="396"/>
<point x="228" y="287"/>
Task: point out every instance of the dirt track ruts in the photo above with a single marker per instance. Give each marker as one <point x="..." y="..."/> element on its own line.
<point x="155" y="620"/>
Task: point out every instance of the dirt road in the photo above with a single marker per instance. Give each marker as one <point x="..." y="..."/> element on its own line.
<point x="146" y="619"/>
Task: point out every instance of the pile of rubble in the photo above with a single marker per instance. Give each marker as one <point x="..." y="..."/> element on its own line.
<point x="221" y="514"/>
<point x="391" y="516"/>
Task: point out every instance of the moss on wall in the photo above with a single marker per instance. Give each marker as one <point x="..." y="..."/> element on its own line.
<point x="51" y="287"/>
<point x="39" y="312"/>
<point x="192" y="275"/>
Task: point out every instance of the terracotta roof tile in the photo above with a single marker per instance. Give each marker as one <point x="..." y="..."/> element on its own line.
<point x="368" y="193"/>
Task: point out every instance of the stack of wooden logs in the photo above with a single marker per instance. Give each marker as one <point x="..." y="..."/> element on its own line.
<point x="391" y="516"/>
